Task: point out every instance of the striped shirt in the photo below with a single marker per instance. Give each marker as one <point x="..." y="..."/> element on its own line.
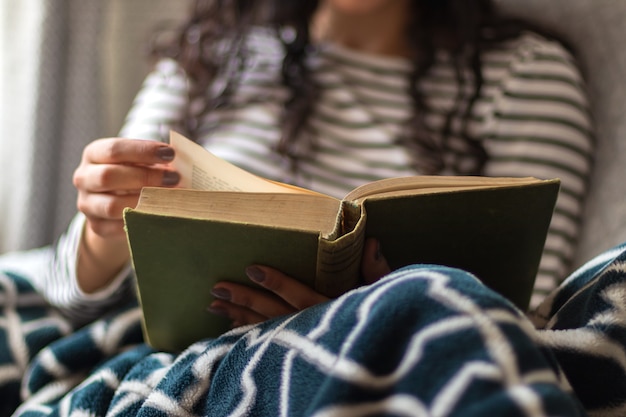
<point x="532" y="118"/>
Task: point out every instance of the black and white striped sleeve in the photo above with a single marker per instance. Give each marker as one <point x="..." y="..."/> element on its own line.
<point x="52" y="271"/>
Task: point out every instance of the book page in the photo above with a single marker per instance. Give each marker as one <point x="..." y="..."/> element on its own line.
<point x="424" y="184"/>
<point x="202" y="170"/>
<point x="301" y="211"/>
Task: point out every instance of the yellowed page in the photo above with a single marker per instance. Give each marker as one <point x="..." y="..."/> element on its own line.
<point x="201" y="170"/>
<point x="424" y="184"/>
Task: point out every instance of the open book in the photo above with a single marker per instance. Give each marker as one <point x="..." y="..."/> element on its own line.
<point x="223" y="219"/>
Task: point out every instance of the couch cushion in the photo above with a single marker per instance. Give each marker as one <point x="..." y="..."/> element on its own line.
<point x="596" y="30"/>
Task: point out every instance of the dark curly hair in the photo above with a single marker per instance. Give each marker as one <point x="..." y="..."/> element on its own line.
<point x="463" y="28"/>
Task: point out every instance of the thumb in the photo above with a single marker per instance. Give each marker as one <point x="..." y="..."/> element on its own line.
<point x="373" y="265"/>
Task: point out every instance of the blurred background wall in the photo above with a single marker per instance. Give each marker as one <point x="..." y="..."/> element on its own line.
<point x="69" y="70"/>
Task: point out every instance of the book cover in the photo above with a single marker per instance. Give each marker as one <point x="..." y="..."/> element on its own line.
<point x="183" y="241"/>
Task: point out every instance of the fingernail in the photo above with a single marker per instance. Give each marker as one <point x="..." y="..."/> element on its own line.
<point x="221" y="293"/>
<point x="217" y="311"/>
<point x="170" y="178"/>
<point x="255" y="273"/>
<point x="165" y="153"/>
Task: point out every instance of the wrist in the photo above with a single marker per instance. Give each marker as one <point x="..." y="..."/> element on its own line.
<point x="99" y="260"/>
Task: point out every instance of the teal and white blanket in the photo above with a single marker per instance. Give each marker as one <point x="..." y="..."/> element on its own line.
<point x="425" y="341"/>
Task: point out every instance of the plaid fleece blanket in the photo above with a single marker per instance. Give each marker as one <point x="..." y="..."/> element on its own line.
<point x="424" y="341"/>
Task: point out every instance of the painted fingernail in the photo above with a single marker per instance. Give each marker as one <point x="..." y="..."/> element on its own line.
<point x="221" y="293"/>
<point x="217" y="311"/>
<point x="255" y="273"/>
<point x="170" y="178"/>
<point x="165" y="153"/>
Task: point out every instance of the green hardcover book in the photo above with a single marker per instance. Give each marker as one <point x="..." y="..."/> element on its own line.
<point x="183" y="241"/>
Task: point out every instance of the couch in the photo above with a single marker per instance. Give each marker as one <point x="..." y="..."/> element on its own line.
<point x="595" y="28"/>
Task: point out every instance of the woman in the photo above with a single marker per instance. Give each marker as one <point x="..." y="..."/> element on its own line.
<point x="328" y="95"/>
<point x="394" y="87"/>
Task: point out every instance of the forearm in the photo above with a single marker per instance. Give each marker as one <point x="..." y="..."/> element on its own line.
<point x="100" y="260"/>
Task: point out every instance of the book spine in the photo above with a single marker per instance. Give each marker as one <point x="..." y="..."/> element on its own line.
<point x="339" y="257"/>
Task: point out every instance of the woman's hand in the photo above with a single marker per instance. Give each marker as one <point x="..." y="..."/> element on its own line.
<point x="373" y="264"/>
<point x="281" y="294"/>
<point x="111" y="174"/>
<point x="109" y="178"/>
<point x="246" y="305"/>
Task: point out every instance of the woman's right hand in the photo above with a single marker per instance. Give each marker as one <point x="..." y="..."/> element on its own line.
<point x="111" y="174"/>
<point x="109" y="178"/>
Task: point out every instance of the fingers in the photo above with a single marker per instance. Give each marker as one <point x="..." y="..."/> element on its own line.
<point x="373" y="265"/>
<point x="279" y="295"/>
<point x="111" y="174"/>
<point x="124" y="165"/>
<point x="127" y="151"/>
<point x="104" y="211"/>
<point x="246" y="305"/>
<point x="128" y="178"/>
<point x="292" y="291"/>
<point x="238" y="316"/>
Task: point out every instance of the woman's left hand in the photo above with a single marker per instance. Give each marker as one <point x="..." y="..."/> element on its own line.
<point x="282" y="294"/>
<point x="246" y="305"/>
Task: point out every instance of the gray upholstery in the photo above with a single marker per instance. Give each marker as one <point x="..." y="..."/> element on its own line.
<point x="597" y="29"/>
